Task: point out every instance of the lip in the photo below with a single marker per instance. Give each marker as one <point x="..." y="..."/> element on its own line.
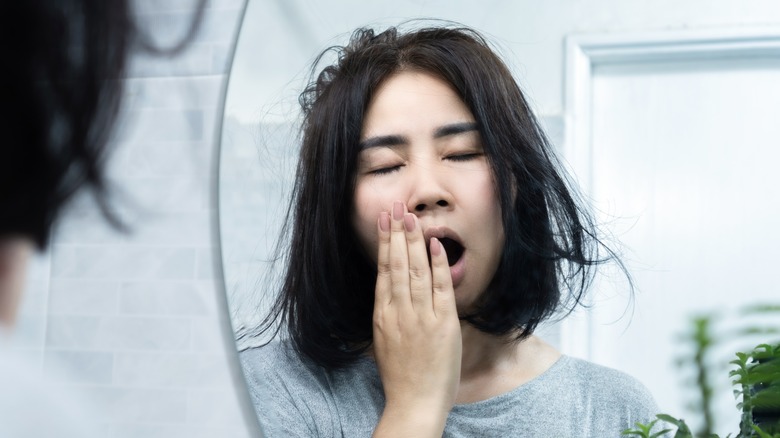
<point x="440" y="233"/>
<point x="458" y="270"/>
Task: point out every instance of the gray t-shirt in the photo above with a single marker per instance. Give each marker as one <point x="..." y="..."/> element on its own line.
<point x="573" y="398"/>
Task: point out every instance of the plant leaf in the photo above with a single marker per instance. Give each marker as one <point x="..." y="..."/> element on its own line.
<point x="760" y="432"/>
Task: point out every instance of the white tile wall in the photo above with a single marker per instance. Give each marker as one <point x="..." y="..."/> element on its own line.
<point x="29" y="331"/>
<point x="132" y="321"/>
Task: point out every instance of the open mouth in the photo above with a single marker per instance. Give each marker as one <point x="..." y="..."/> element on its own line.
<point x="453" y="249"/>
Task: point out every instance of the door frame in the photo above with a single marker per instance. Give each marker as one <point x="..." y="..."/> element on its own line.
<point x="585" y="52"/>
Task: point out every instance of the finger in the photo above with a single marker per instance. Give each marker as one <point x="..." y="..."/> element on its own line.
<point x="443" y="293"/>
<point x="383" y="282"/>
<point x="419" y="270"/>
<point x="399" y="257"/>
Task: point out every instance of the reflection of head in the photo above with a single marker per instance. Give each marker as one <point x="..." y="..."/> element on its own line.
<point x="68" y="59"/>
<point x="60" y="101"/>
<point x="329" y="288"/>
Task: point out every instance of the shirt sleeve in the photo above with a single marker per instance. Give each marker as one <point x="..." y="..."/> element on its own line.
<point x="640" y="407"/>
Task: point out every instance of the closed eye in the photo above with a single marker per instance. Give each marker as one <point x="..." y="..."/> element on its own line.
<point x="385" y="170"/>
<point x="464" y="157"/>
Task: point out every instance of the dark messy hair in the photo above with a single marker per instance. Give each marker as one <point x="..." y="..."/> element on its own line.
<point x="327" y="296"/>
<point x="61" y="94"/>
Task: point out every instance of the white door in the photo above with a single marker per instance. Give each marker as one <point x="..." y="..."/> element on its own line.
<point x="682" y="161"/>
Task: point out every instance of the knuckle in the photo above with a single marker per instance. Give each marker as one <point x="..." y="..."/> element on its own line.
<point x="397" y="264"/>
<point x="383" y="269"/>
<point x="439" y="284"/>
<point x="413" y="237"/>
<point x="381" y="319"/>
<point x="418" y="274"/>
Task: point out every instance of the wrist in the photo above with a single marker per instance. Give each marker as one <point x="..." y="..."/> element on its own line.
<point x="412" y="419"/>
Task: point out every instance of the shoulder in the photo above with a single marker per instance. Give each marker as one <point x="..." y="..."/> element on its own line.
<point x="269" y="356"/>
<point x="619" y="399"/>
<point x="597" y="374"/>
<point x="608" y="383"/>
<point x="573" y="397"/>
<point x="290" y="394"/>
<point x="277" y="366"/>
<point x="293" y="396"/>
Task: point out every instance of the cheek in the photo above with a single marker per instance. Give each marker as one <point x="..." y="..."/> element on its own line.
<point x="488" y="211"/>
<point x="490" y="195"/>
<point x="482" y="190"/>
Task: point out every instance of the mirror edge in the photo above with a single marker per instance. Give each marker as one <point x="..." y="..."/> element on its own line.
<point x="226" y="325"/>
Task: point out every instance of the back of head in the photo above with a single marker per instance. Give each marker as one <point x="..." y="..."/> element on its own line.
<point x="61" y="96"/>
<point x="60" y="99"/>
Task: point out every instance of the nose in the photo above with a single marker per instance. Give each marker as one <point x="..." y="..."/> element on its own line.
<point x="429" y="191"/>
<point x="422" y="206"/>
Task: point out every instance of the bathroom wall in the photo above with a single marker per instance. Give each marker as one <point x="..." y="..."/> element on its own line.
<point x="530" y="35"/>
<point x="131" y="320"/>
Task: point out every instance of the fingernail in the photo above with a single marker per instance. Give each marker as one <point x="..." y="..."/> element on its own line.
<point x="409" y="222"/>
<point x="435" y="247"/>
<point x="384" y="221"/>
<point x="398" y="210"/>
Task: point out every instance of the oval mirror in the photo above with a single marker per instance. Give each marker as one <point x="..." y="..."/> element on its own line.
<point x="628" y="75"/>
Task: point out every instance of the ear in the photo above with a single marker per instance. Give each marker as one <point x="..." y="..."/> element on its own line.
<point x="14" y="254"/>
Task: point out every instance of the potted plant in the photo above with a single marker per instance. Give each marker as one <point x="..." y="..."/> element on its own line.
<point x="755" y="377"/>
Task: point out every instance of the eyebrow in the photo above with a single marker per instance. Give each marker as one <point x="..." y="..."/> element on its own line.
<point x="383" y="140"/>
<point x="454" y="129"/>
<point x="397" y="140"/>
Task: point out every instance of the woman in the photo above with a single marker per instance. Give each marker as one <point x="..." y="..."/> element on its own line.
<point x="432" y="233"/>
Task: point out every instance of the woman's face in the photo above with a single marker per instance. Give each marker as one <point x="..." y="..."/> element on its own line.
<point x="420" y="146"/>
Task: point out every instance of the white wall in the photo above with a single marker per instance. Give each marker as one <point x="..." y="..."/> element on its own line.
<point x="134" y="320"/>
<point x="531" y="32"/>
<point x="683" y="169"/>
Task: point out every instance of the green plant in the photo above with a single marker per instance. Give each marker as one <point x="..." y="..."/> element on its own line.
<point x="757" y="377"/>
<point x="756" y="380"/>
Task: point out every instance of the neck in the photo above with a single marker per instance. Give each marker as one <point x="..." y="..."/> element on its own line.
<point x="492" y="365"/>
<point x="483" y="352"/>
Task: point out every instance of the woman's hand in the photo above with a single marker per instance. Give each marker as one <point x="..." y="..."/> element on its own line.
<point x="417" y="338"/>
